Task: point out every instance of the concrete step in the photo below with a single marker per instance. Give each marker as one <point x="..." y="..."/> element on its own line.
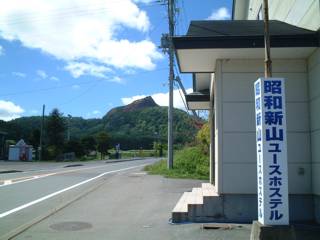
<point x="182" y="205"/>
<point x="195" y="204"/>
<point x="209" y="190"/>
<point x="208" y="186"/>
<point x="196" y="196"/>
<point x="200" y="205"/>
<point x="180" y="211"/>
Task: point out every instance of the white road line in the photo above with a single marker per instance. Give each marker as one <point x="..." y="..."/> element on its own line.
<point x="63" y="190"/>
<point x="10" y="182"/>
<point x="35" y="177"/>
<point x="6" y="182"/>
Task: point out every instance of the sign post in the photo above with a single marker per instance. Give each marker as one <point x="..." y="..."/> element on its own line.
<point x="271" y="141"/>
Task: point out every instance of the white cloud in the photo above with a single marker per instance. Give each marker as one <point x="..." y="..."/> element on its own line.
<point x="19" y="74"/>
<point x="75" y="87"/>
<point x="42" y="74"/>
<point x="116" y="79"/>
<point x="53" y="78"/>
<point x="1" y="50"/>
<point x="34" y="112"/>
<point x="78" y="69"/>
<point x="96" y="112"/>
<point x="93" y="114"/>
<point x="161" y="99"/>
<point x="9" y="111"/>
<point x="143" y="1"/>
<point x="220" y="14"/>
<point x="128" y="100"/>
<point x="81" y="31"/>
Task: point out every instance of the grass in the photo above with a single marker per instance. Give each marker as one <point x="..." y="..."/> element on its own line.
<point x="189" y="163"/>
<point x="137" y="153"/>
<point x="88" y="158"/>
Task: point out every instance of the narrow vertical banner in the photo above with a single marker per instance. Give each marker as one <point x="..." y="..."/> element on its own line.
<point x="271" y="141"/>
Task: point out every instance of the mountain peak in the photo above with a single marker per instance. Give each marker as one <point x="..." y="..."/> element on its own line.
<point x="140" y="104"/>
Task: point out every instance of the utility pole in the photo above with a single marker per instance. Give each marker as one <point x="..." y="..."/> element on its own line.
<point x="69" y="120"/>
<point x="41" y="133"/>
<point x="267" y="61"/>
<point x="171" y="10"/>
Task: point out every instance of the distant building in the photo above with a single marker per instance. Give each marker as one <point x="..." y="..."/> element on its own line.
<point x="20" y="152"/>
<point x="225" y="58"/>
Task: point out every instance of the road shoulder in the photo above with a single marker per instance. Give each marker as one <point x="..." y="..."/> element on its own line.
<point x="130" y="205"/>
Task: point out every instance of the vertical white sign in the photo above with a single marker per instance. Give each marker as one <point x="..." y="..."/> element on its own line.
<point x="271" y="139"/>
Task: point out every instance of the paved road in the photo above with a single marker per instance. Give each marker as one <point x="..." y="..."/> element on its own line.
<point x="41" y="188"/>
<point x="111" y="201"/>
<point x="115" y="201"/>
<point x="129" y="205"/>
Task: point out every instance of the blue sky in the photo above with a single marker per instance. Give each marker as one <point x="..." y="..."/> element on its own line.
<point x="88" y="56"/>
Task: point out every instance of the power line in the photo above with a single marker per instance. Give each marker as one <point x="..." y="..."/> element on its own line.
<point x="182" y="98"/>
<point x="41" y="89"/>
<point x="80" y="95"/>
<point x="56" y="31"/>
<point x="94" y="85"/>
<point x="185" y="14"/>
<point x="156" y="26"/>
<point x="69" y="12"/>
<point x="80" y="83"/>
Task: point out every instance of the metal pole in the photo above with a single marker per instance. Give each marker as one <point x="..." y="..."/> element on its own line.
<point x="171" y="79"/>
<point x="267" y="61"/>
<point x="41" y="133"/>
<point x="68" y="133"/>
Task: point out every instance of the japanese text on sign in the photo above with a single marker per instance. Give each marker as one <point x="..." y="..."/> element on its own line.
<point x="271" y="151"/>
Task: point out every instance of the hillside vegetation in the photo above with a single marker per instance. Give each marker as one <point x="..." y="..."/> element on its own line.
<point x="134" y="126"/>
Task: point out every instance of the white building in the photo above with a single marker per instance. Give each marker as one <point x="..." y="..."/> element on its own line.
<point x="20" y="152"/>
<point x="225" y="58"/>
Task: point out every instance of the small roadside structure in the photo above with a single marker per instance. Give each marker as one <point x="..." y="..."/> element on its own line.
<point x="20" y="152"/>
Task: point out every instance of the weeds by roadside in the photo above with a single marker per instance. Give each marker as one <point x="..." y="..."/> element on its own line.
<point x="189" y="163"/>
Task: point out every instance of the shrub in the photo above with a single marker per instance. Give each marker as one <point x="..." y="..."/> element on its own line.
<point x="203" y="138"/>
<point x="191" y="162"/>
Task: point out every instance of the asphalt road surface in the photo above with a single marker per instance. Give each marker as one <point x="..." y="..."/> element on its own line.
<point x="36" y="192"/>
<point x="116" y="201"/>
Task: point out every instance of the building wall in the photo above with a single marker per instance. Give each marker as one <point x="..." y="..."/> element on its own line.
<point x="302" y="13"/>
<point x="314" y="90"/>
<point x="212" y="133"/>
<point x="305" y="14"/>
<point x="218" y="133"/>
<point x="235" y="120"/>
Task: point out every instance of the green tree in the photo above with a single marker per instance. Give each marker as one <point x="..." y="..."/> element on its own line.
<point x="103" y="143"/>
<point x="56" y="128"/>
<point x="203" y="138"/>
<point x="76" y="147"/>
<point x="158" y="149"/>
<point x="89" y="144"/>
<point x="35" y="138"/>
